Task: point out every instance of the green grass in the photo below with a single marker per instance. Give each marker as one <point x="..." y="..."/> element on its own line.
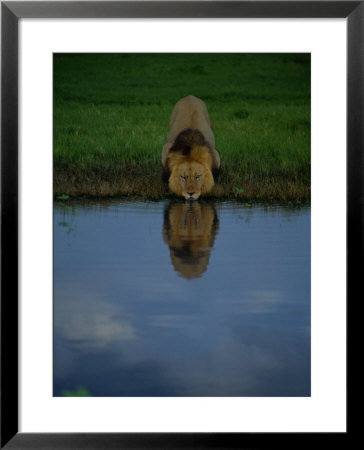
<point x="111" y="115"/>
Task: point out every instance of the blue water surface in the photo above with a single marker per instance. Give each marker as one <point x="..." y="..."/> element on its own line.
<point x="181" y="299"/>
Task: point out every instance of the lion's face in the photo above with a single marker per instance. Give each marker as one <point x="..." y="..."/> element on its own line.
<point x="190" y="229"/>
<point x="189" y="179"/>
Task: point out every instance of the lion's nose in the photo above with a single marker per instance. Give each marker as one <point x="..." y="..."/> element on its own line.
<point x="190" y="193"/>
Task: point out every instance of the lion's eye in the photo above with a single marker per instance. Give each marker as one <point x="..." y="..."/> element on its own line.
<point x="197" y="177"/>
<point x="183" y="177"/>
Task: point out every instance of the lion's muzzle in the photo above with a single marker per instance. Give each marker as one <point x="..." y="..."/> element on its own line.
<point x="191" y="195"/>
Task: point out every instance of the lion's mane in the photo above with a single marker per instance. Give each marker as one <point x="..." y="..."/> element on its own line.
<point x="190" y="161"/>
<point x="191" y="148"/>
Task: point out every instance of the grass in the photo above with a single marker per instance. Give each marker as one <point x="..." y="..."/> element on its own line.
<point x="111" y="115"/>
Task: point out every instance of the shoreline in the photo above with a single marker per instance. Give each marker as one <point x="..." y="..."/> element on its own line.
<point x="151" y="187"/>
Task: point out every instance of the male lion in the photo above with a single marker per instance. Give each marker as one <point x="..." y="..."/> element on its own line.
<point x="190" y="229"/>
<point x="189" y="158"/>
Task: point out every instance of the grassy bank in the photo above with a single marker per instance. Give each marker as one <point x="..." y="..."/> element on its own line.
<point x="111" y="114"/>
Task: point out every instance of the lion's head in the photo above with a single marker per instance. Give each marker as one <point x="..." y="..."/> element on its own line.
<point x="190" y="229"/>
<point x="191" y="175"/>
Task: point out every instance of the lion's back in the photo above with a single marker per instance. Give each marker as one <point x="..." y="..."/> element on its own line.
<point x="190" y="112"/>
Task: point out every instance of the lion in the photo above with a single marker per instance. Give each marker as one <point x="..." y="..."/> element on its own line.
<point x="190" y="229"/>
<point x="190" y="161"/>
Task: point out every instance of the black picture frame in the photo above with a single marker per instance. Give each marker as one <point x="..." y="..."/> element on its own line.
<point x="11" y="12"/>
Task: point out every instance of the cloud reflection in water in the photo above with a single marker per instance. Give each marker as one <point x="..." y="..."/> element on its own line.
<point x="133" y="318"/>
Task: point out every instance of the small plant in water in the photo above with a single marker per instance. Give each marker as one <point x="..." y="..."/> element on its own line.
<point x="79" y="392"/>
<point x="63" y="197"/>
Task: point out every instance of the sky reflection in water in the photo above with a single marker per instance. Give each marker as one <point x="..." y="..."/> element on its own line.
<point x="169" y="299"/>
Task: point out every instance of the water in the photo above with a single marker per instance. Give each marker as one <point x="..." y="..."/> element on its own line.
<point x="179" y="299"/>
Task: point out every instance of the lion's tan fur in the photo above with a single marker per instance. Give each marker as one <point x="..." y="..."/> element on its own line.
<point x="189" y="157"/>
<point x="189" y="230"/>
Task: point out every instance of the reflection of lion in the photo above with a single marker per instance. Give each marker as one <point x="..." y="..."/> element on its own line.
<point x="190" y="229"/>
<point x="189" y="158"/>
